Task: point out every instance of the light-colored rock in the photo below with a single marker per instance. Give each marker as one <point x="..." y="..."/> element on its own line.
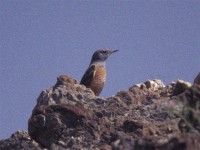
<point x="154" y="84"/>
<point x="65" y="91"/>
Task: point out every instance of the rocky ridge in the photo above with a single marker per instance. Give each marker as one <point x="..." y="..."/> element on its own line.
<point x="146" y="116"/>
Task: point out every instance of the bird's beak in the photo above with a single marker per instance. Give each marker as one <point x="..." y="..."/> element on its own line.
<point x="113" y="51"/>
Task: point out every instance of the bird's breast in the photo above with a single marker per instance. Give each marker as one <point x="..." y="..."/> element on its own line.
<point x="100" y="74"/>
<point x="99" y="79"/>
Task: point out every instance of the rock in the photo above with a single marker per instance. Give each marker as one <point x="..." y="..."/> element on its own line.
<point x="181" y="86"/>
<point x="65" y="91"/>
<point x="197" y="79"/>
<point x="154" y="84"/>
<point x="65" y="80"/>
<point x="59" y="123"/>
<point x="70" y="116"/>
<point x="190" y="115"/>
<point x="20" y="140"/>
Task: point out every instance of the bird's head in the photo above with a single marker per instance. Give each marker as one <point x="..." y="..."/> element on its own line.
<point x="100" y="56"/>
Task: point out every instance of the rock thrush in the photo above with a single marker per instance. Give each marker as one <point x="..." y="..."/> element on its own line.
<point x="95" y="76"/>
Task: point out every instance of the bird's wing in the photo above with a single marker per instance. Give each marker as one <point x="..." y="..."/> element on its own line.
<point x="88" y="76"/>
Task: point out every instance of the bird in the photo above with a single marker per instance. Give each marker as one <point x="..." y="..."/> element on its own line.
<point x="95" y="76"/>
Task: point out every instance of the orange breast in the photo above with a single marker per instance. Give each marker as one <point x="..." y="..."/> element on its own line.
<point x="98" y="81"/>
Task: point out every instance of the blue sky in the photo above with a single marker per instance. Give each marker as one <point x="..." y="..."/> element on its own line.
<point x="40" y="40"/>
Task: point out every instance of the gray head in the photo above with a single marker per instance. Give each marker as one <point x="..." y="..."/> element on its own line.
<point x="100" y="56"/>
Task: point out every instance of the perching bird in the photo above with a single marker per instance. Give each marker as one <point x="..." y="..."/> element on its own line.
<point x="95" y="76"/>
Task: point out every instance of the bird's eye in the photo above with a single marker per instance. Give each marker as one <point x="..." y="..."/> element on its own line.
<point x="104" y="52"/>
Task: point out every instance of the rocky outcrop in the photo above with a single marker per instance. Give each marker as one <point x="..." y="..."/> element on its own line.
<point x="147" y="116"/>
